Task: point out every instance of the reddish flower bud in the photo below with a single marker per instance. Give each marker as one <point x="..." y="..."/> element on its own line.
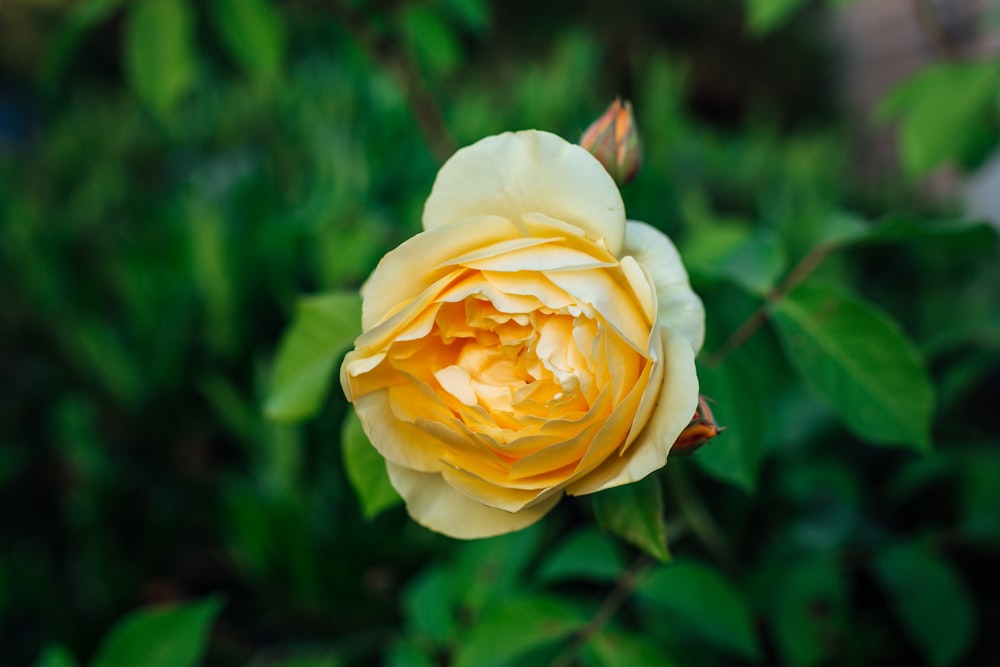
<point x="614" y="141"/>
<point x="701" y="429"/>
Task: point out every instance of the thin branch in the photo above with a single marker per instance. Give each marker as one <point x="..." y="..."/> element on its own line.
<point x="616" y="598"/>
<point x="758" y="318"/>
<point x="389" y="55"/>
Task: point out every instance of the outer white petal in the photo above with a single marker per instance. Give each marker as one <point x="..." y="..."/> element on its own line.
<point x="515" y="173"/>
<point x="679" y="307"/>
<point x="676" y="404"/>
<point x="434" y="504"/>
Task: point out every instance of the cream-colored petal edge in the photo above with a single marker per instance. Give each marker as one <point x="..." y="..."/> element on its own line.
<point x="680" y="308"/>
<point x="515" y="173"/>
<point x="435" y="505"/>
<point x="675" y="406"/>
<point x="404" y="272"/>
<point x="397" y="440"/>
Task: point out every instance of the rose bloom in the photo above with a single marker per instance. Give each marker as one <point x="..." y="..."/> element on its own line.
<point x="529" y="342"/>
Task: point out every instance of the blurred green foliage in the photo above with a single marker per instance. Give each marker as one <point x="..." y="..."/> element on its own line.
<point x="175" y="174"/>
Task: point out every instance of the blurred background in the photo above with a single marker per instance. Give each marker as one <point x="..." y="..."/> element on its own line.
<point x="174" y="174"/>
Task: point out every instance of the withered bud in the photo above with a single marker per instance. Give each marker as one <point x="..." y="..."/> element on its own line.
<point x="614" y="140"/>
<point x="701" y="429"/>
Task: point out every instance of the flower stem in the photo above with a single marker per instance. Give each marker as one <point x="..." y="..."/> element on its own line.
<point x="616" y="598"/>
<point x="757" y="319"/>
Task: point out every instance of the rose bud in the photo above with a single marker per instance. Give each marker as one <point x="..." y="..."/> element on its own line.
<point x="702" y="428"/>
<point x="614" y="141"/>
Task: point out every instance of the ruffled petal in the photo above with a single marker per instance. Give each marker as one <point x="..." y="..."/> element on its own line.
<point x="515" y="173"/>
<point x="678" y="398"/>
<point x="679" y="307"/>
<point x="435" y="505"/>
<point x="397" y="440"/>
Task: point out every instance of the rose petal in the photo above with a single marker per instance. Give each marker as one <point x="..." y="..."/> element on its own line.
<point x="514" y="173"/>
<point x="549" y="256"/>
<point x="382" y="330"/>
<point x="649" y="397"/>
<point x="396" y="440"/>
<point x="679" y="307"/>
<point x="482" y="489"/>
<point x="609" y="442"/>
<point x="618" y="307"/>
<point x="534" y="285"/>
<point x="405" y="272"/>
<point x="640" y="282"/>
<point x="560" y="458"/>
<point x="456" y="381"/>
<point x="540" y="258"/>
<point x="437" y="506"/>
<point x="678" y="398"/>
<point x="500" y="248"/>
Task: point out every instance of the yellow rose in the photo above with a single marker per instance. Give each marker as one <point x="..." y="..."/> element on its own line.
<point x="528" y="343"/>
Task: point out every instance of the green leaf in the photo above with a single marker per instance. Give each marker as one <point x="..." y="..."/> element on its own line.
<point x="930" y="600"/>
<point x="365" y="469"/>
<point x="82" y="18"/>
<point x="915" y="475"/>
<point x="406" y="653"/>
<point x="706" y="247"/>
<point x="756" y="264"/>
<point x="322" y="660"/>
<point x="429" y="607"/>
<point x="979" y="495"/>
<point x="899" y="227"/>
<point x="707" y="603"/>
<point x="752" y="261"/>
<point x="55" y="656"/>
<point x="859" y="362"/>
<point x="253" y="34"/>
<point x="346" y="254"/>
<point x="473" y="14"/>
<point x="160" y="637"/>
<point x="98" y="348"/>
<point x="945" y="113"/>
<point x="160" y="59"/>
<point x="487" y="569"/>
<point x="212" y="266"/>
<point x="763" y="16"/>
<point x="614" y="649"/>
<point x="588" y="554"/>
<point x="808" y="607"/>
<point x="516" y="626"/>
<point x="323" y="327"/>
<point x="634" y="512"/>
<point x="711" y="238"/>
<point x="735" y="455"/>
<point x="829" y="495"/>
<point x="431" y="39"/>
<point x="843" y="229"/>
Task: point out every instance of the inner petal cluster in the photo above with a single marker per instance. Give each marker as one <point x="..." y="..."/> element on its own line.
<point x="518" y="387"/>
<point x="505" y="374"/>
